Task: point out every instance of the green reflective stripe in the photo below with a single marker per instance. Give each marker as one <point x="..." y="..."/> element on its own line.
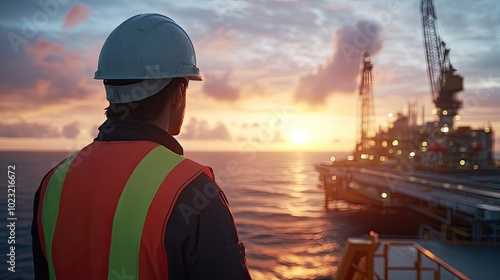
<point x="50" y="208"/>
<point x="132" y="208"/>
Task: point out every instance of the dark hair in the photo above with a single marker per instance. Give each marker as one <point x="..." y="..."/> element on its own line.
<point x="146" y="109"/>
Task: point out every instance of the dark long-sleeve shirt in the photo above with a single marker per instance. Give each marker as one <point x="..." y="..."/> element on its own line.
<point x="201" y="240"/>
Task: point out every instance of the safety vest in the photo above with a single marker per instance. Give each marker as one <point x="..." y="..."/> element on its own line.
<point x="103" y="211"/>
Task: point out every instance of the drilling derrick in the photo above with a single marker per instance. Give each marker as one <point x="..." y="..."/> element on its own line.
<point x="445" y="83"/>
<point x="366" y="122"/>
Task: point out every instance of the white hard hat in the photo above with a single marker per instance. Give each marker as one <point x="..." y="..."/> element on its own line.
<point x="150" y="47"/>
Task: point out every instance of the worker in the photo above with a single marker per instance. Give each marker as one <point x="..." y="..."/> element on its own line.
<point x="129" y="205"/>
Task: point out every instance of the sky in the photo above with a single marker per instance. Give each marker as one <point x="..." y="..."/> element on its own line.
<point x="277" y="75"/>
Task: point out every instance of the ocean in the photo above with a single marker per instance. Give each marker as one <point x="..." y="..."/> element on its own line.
<point x="275" y="199"/>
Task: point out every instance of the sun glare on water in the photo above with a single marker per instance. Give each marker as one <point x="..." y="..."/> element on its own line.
<point x="298" y="137"/>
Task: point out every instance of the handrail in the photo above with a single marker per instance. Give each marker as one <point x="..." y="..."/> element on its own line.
<point x="418" y="264"/>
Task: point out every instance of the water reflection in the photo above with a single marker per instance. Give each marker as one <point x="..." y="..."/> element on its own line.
<point x="279" y="212"/>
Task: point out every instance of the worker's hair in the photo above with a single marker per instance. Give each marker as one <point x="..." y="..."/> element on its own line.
<point x="146" y="109"/>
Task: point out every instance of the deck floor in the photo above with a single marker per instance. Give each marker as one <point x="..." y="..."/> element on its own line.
<point x="476" y="262"/>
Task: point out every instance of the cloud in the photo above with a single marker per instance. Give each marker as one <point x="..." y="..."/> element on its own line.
<point x="38" y="130"/>
<point x="218" y="87"/>
<point x="28" y="130"/>
<point x="71" y="130"/>
<point x="200" y="130"/>
<point x="340" y="74"/>
<point x="77" y="13"/>
<point x="47" y="73"/>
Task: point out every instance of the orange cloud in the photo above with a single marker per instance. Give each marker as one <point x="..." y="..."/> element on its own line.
<point x="201" y="130"/>
<point x="29" y="130"/>
<point x="77" y="13"/>
<point x="217" y="87"/>
<point x="63" y="72"/>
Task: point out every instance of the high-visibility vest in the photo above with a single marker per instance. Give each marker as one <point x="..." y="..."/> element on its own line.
<point x="103" y="211"/>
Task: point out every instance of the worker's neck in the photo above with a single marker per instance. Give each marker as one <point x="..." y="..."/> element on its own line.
<point x="162" y="121"/>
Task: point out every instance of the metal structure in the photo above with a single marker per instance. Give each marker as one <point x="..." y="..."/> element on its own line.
<point x="366" y="108"/>
<point x="443" y="172"/>
<point x="375" y="259"/>
<point x="445" y="83"/>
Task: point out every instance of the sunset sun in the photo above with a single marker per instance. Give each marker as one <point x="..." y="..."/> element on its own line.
<point x="298" y="137"/>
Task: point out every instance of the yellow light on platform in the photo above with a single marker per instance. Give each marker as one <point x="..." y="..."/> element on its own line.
<point x="424" y="144"/>
<point x="475" y="167"/>
<point x="434" y="111"/>
<point x="351" y="157"/>
<point x="445" y="129"/>
<point x="487" y="129"/>
<point x="334" y="177"/>
<point x="395" y="143"/>
<point x="462" y="162"/>
<point x="445" y="112"/>
<point x="390" y="115"/>
<point x="384" y="195"/>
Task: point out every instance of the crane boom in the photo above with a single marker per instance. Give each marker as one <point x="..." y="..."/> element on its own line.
<point x="444" y="82"/>
<point x="432" y="44"/>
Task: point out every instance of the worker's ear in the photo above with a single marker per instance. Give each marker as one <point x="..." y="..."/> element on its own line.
<point x="178" y="96"/>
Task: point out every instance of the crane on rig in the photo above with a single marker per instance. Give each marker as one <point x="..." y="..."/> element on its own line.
<point x="445" y="83"/>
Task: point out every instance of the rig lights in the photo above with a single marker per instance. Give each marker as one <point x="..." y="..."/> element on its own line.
<point x="384" y="195"/>
<point x="384" y="144"/>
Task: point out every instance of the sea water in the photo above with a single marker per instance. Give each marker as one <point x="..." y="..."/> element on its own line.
<point x="274" y="196"/>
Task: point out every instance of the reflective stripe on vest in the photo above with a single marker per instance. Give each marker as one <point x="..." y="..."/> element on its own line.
<point x="110" y="223"/>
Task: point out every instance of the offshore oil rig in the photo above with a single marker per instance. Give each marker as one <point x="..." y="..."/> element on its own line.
<point x="435" y="168"/>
